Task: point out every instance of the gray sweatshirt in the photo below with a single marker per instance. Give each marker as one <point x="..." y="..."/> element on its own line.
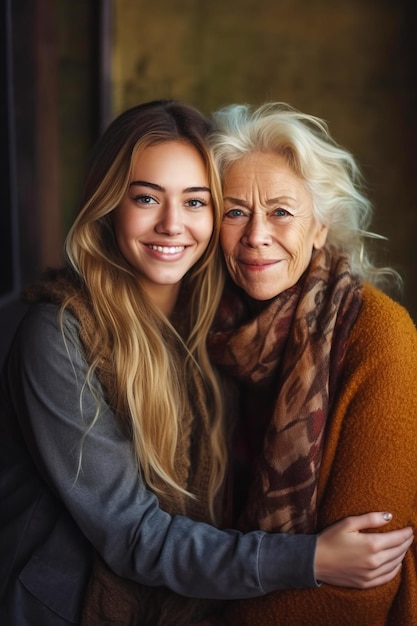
<point x="59" y="475"/>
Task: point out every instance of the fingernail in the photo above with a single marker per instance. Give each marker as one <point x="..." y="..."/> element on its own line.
<point x="387" y="516"/>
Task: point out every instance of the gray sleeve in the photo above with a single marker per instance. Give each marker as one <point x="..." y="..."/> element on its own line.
<point x="97" y="478"/>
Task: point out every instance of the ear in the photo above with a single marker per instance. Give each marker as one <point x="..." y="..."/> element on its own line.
<point x="320" y="237"/>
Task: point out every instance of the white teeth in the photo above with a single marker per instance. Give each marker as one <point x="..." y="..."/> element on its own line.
<point x="167" y="249"/>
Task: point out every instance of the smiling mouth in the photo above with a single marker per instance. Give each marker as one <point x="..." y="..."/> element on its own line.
<point x="167" y="249"/>
<point x="259" y="264"/>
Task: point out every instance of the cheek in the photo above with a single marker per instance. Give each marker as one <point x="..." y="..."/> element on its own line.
<point x="304" y="240"/>
<point x="119" y="227"/>
<point x="305" y="250"/>
<point x="231" y="265"/>
<point x="210" y="225"/>
<point x="227" y="240"/>
<point x="300" y="248"/>
<point x="124" y="222"/>
<point x="203" y="231"/>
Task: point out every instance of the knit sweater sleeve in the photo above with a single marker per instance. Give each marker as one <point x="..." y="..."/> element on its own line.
<point x="369" y="464"/>
<point x="92" y="470"/>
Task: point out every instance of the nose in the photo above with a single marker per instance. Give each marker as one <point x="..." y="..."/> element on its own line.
<point x="257" y="231"/>
<point x="170" y="221"/>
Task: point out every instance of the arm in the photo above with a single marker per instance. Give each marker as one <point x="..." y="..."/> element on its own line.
<point x="372" y="445"/>
<point x="106" y="496"/>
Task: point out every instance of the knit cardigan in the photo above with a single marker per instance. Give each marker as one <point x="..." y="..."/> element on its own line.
<point x="369" y="464"/>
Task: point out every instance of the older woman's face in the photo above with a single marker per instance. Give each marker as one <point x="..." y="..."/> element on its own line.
<point x="268" y="231"/>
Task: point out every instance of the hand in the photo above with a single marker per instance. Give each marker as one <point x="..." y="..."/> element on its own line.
<point x="347" y="557"/>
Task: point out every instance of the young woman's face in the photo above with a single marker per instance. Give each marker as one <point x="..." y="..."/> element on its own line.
<point x="268" y="230"/>
<point x="164" y="222"/>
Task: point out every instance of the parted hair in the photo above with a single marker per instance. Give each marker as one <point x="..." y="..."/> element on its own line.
<point x="140" y="336"/>
<point x="330" y="173"/>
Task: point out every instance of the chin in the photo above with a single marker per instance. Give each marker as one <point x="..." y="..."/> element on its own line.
<point x="260" y="295"/>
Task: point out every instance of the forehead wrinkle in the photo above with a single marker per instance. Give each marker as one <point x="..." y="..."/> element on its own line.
<point x="279" y="200"/>
<point x="256" y="184"/>
<point x="238" y="201"/>
<point x="270" y="202"/>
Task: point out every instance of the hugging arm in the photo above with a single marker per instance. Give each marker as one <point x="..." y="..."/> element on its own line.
<point x="104" y="493"/>
<point x="95" y="476"/>
<point x="372" y="444"/>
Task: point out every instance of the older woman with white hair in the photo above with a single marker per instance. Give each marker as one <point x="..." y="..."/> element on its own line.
<point x="326" y="363"/>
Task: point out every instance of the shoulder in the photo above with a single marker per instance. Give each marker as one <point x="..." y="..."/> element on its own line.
<point x="43" y="321"/>
<point x="43" y="339"/>
<point x="383" y="323"/>
<point x="376" y="301"/>
<point x="380" y="363"/>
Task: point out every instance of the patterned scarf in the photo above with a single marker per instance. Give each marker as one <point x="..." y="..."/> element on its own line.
<point x="286" y="355"/>
<point x="111" y="599"/>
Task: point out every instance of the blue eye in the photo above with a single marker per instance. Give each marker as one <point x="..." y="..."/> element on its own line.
<point x="144" y="199"/>
<point x="281" y="212"/>
<point x="233" y="213"/>
<point x="195" y="204"/>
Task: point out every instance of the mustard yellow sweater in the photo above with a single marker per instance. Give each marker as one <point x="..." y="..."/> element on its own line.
<point x="369" y="464"/>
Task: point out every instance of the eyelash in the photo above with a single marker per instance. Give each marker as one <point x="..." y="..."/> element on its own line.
<point x="199" y="200"/>
<point x="234" y="213"/>
<point x="240" y="213"/>
<point x="140" y="198"/>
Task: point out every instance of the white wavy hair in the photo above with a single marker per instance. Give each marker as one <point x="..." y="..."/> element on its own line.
<point x="329" y="172"/>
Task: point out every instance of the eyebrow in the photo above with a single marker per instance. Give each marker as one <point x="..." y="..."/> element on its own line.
<point x="234" y="201"/>
<point x="270" y="201"/>
<point x="145" y="183"/>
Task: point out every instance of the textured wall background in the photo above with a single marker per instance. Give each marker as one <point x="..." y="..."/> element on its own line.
<point x="351" y="62"/>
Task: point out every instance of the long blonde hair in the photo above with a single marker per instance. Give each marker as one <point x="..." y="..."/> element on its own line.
<point x="140" y="336"/>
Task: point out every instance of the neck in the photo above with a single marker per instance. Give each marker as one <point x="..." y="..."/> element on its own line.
<point x="164" y="297"/>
